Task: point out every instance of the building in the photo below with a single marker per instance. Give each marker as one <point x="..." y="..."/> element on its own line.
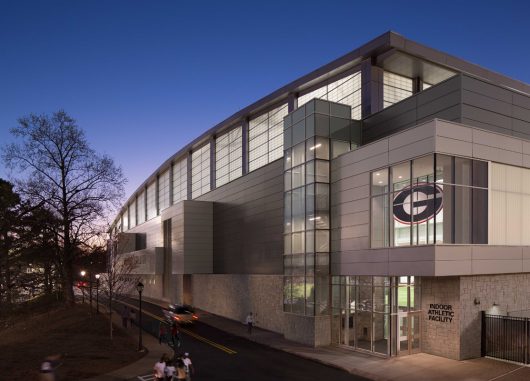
<point x="379" y="203"/>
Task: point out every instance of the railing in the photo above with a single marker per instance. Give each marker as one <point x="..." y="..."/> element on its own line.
<point x="506" y="337"/>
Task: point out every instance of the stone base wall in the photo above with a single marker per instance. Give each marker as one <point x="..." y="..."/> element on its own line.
<point x="235" y="295"/>
<point x="478" y="293"/>
<point x="310" y="330"/>
<point x="441" y="336"/>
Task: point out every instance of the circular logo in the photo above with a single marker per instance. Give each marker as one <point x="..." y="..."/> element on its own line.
<point x="417" y="203"/>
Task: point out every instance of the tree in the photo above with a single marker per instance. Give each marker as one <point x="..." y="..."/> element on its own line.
<point x="120" y="278"/>
<point x="59" y="169"/>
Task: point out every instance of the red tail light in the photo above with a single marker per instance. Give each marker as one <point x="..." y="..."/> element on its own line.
<point x="195" y="317"/>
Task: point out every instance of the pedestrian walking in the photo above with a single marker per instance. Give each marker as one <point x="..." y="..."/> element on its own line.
<point x="188" y="365"/>
<point x="250" y="322"/>
<point x="181" y="370"/>
<point x="132" y="317"/>
<point x="162" y="333"/>
<point x="175" y="335"/>
<point x="159" y="369"/>
<point x="170" y="370"/>
<point x="48" y="366"/>
<point x="124" y="316"/>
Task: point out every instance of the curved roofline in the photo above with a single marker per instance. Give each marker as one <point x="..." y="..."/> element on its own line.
<point x="387" y="41"/>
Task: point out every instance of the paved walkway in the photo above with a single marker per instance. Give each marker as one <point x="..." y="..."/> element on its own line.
<point x="419" y="367"/>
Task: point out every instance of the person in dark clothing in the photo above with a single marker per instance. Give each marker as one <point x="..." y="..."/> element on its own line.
<point x="175" y="335"/>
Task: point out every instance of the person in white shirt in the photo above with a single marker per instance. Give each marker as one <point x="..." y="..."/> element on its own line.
<point x="170" y="371"/>
<point x="250" y="322"/>
<point x="159" y="369"/>
<point x="189" y="366"/>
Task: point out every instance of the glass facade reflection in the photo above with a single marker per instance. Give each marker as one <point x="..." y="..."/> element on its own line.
<point x="432" y="199"/>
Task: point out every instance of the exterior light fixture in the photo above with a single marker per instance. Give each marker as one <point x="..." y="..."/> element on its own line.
<point x="315" y="147"/>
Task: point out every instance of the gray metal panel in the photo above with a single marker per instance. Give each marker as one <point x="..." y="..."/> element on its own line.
<point x="248" y="222"/>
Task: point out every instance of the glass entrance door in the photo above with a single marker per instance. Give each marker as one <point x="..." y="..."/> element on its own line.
<point x="409" y="332"/>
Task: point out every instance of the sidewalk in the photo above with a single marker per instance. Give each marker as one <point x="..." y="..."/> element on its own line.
<point x="418" y="367"/>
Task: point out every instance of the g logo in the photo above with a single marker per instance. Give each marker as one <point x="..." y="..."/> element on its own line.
<point x="417" y="203"/>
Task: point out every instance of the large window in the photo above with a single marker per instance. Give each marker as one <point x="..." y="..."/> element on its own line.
<point x="346" y="90"/>
<point x="228" y="153"/>
<point x="433" y="199"/>
<point x="265" y="138"/>
<point x="151" y="200"/>
<point x="395" y="88"/>
<point x="163" y="190"/>
<point x="125" y="220"/>
<point x="200" y="171"/>
<point x="141" y="207"/>
<point x="180" y="181"/>
<point x="132" y="214"/>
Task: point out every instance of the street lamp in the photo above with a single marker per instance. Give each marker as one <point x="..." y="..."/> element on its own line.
<point x="97" y="293"/>
<point x="83" y="273"/>
<point x="140" y="288"/>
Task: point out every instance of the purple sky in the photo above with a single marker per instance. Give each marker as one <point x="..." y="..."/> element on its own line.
<point x="143" y="78"/>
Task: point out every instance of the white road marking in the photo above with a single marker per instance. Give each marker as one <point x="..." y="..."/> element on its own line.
<point x="148" y="377"/>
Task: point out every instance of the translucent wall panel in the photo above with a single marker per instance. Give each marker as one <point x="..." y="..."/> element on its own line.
<point x="151" y="200"/>
<point x="228" y="152"/>
<point x="125" y="220"/>
<point x="180" y="181"/>
<point x="200" y="171"/>
<point x="132" y="214"/>
<point x="346" y="90"/>
<point x="163" y="190"/>
<point x="265" y="138"/>
<point x="141" y="208"/>
<point x="395" y="88"/>
<point x="510" y="205"/>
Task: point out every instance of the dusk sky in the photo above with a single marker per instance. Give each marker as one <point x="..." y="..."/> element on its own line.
<point x="144" y="78"/>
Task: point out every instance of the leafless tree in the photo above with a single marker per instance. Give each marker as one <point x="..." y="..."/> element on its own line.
<point x="57" y="167"/>
<point x="120" y="278"/>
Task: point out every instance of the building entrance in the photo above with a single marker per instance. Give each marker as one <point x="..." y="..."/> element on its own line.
<point x="377" y="314"/>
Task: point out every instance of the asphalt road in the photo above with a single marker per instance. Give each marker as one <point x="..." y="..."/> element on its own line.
<point x="212" y="353"/>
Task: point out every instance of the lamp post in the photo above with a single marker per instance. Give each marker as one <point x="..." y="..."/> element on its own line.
<point x="90" y="287"/>
<point x="140" y="288"/>
<point x="97" y="293"/>
<point x="83" y="273"/>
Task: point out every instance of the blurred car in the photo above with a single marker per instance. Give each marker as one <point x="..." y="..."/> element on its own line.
<point x="181" y="314"/>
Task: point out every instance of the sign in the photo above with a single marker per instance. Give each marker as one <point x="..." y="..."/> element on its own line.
<point x="417" y="203"/>
<point x="441" y="312"/>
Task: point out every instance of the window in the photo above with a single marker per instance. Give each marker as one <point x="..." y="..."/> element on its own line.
<point x="395" y="88"/>
<point x="228" y="153"/>
<point x="151" y="200"/>
<point x="414" y="204"/>
<point x="141" y="207"/>
<point x="163" y="190"/>
<point x="265" y="138"/>
<point x="200" y="171"/>
<point x="125" y="220"/>
<point x="346" y="90"/>
<point x="180" y="181"/>
<point x="132" y="214"/>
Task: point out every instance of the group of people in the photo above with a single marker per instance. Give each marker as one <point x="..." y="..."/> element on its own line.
<point x="127" y="316"/>
<point x="178" y="368"/>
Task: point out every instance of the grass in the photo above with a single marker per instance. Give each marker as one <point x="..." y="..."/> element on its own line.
<point x="30" y="334"/>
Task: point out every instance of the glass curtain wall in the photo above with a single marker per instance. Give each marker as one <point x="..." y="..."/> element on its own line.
<point x="228" y="153"/>
<point x="265" y="138"/>
<point x="200" y="171"/>
<point x="163" y="190"/>
<point x="346" y="90"/>
<point x="395" y="88"/>
<point x="132" y="214"/>
<point x="141" y="207"/>
<point x="151" y="200"/>
<point x="180" y="180"/>
<point x="432" y="199"/>
<point x="307" y="203"/>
